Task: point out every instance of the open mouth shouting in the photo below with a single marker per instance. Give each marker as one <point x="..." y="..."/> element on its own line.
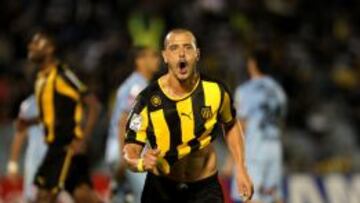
<point x="183" y="66"/>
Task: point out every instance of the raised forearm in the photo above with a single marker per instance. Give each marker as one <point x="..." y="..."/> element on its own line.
<point x="132" y="153"/>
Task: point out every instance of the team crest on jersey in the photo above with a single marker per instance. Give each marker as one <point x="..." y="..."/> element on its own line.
<point x="206" y="112"/>
<point x="155" y="100"/>
<point x="135" y="123"/>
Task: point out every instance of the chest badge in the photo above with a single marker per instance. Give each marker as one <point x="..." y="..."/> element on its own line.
<point x="155" y="100"/>
<point x="206" y="112"/>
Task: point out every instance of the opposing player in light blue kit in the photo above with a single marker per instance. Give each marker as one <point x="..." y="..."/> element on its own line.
<point x="146" y="62"/>
<point x="261" y="105"/>
<point x="35" y="150"/>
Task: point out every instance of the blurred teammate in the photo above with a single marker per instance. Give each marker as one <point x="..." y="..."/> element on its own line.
<point x="179" y="115"/>
<point x="261" y="105"/>
<point x="61" y="100"/>
<point x="35" y="150"/>
<point x="146" y="62"/>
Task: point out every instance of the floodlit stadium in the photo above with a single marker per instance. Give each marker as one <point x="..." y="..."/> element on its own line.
<point x="230" y="101"/>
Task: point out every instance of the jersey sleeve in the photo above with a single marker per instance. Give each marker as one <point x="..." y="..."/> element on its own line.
<point x="227" y="110"/>
<point x="138" y="123"/>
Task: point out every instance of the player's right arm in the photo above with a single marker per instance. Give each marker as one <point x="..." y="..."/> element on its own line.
<point x="124" y="103"/>
<point x="16" y="146"/>
<point x="138" y="163"/>
<point x="135" y="140"/>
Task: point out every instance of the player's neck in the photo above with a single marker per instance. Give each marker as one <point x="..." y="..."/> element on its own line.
<point x="177" y="88"/>
<point x="145" y="73"/>
<point x="258" y="75"/>
<point x="47" y="65"/>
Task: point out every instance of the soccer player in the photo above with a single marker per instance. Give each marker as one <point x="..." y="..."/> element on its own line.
<point x="261" y="105"/>
<point x="146" y="62"/>
<point x="179" y="115"/>
<point x="61" y="100"/>
<point x="35" y="150"/>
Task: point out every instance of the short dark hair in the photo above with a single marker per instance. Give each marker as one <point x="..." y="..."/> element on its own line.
<point x="50" y="37"/>
<point x="135" y="53"/>
<point x="177" y="31"/>
<point x="262" y="58"/>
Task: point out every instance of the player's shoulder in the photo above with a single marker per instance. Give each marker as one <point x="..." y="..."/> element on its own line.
<point x="64" y="69"/>
<point x="135" y="78"/>
<point x="29" y="99"/>
<point x="67" y="73"/>
<point x="270" y="81"/>
<point x="28" y="107"/>
<point x="28" y="102"/>
<point x="208" y="79"/>
<point x="131" y="83"/>
<point x="263" y="83"/>
<point x="244" y="87"/>
<point x="150" y="90"/>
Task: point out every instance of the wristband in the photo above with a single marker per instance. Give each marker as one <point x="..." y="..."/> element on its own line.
<point x="12" y="167"/>
<point x="140" y="165"/>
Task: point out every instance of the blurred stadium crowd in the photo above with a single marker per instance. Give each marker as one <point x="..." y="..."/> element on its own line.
<point x="315" y="49"/>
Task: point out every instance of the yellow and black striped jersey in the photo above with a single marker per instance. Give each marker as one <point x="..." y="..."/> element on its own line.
<point x="179" y="127"/>
<point x="59" y="97"/>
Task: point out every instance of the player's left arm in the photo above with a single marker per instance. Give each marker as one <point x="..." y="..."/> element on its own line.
<point x="234" y="133"/>
<point x="92" y="107"/>
<point x="227" y="169"/>
<point x="235" y="141"/>
<point x="93" y="110"/>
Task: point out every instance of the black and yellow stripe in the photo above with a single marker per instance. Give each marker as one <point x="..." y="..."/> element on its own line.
<point x="180" y="126"/>
<point x="59" y="96"/>
<point x="65" y="168"/>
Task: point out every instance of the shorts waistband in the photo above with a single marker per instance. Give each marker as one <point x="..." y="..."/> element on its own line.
<point x="184" y="185"/>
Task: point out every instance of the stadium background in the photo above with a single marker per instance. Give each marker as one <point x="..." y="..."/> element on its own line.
<point x="315" y="50"/>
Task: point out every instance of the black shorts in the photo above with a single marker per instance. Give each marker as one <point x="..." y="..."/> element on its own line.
<point x="60" y="170"/>
<point x="163" y="190"/>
